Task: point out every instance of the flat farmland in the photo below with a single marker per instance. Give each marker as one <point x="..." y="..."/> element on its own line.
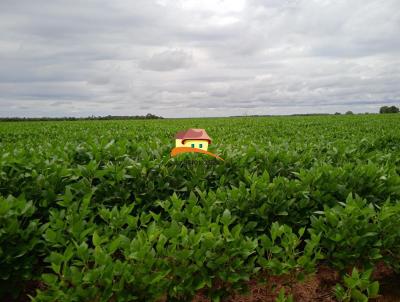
<point x="100" y="211"/>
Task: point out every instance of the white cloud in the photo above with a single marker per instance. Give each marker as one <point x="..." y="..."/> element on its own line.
<point x="167" y="60"/>
<point x="217" y="57"/>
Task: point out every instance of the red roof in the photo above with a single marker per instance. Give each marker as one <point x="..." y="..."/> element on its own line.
<point x="194" y="134"/>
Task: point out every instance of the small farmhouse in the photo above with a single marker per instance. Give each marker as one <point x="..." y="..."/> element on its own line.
<point x="193" y="138"/>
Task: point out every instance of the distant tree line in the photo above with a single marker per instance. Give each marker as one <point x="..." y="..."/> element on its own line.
<point x="387" y="109"/>
<point x="383" y="109"/>
<point x="148" y="116"/>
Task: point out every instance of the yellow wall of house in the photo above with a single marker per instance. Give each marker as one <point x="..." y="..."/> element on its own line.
<point x="178" y="143"/>
<point x="197" y="142"/>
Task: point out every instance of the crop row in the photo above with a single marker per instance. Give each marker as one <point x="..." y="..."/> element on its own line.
<point x="99" y="211"/>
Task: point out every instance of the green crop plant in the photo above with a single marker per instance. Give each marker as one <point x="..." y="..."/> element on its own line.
<point x="99" y="211"/>
<point x="357" y="287"/>
<point x="280" y="253"/>
<point x="282" y="296"/>
<point x="349" y="233"/>
<point x="21" y="245"/>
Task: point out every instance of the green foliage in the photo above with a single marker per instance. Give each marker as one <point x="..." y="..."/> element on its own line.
<point x="349" y="233"/>
<point x="280" y="253"/>
<point x="357" y="287"/>
<point x="387" y="109"/>
<point x="99" y="211"/>
<point x="20" y="243"/>
<point x="389" y="232"/>
<point x="359" y="232"/>
<point x="282" y="297"/>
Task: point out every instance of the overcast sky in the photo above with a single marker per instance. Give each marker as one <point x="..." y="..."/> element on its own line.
<point x="182" y="58"/>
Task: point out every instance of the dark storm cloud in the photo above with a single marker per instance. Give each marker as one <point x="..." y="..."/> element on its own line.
<point x="198" y="57"/>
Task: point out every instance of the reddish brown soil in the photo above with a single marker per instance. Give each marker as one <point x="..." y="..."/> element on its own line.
<point x="314" y="288"/>
<point x="317" y="287"/>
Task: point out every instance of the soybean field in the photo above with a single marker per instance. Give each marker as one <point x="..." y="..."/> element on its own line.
<point x="303" y="208"/>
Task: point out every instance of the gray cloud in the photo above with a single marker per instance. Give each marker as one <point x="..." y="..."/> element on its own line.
<point x="166" y="61"/>
<point x="198" y="57"/>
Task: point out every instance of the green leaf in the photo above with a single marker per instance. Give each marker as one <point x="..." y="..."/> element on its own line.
<point x="373" y="289"/>
<point x="68" y="253"/>
<point x="114" y="245"/>
<point x="96" y="239"/>
<point x="358" y="296"/>
<point x="50" y="279"/>
<point x="226" y="217"/>
<point x="50" y="235"/>
<point x="350" y="282"/>
<point x="340" y="293"/>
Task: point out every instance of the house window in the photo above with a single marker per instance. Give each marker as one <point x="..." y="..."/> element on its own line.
<point x="200" y="145"/>
<point x="192" y="145"/>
